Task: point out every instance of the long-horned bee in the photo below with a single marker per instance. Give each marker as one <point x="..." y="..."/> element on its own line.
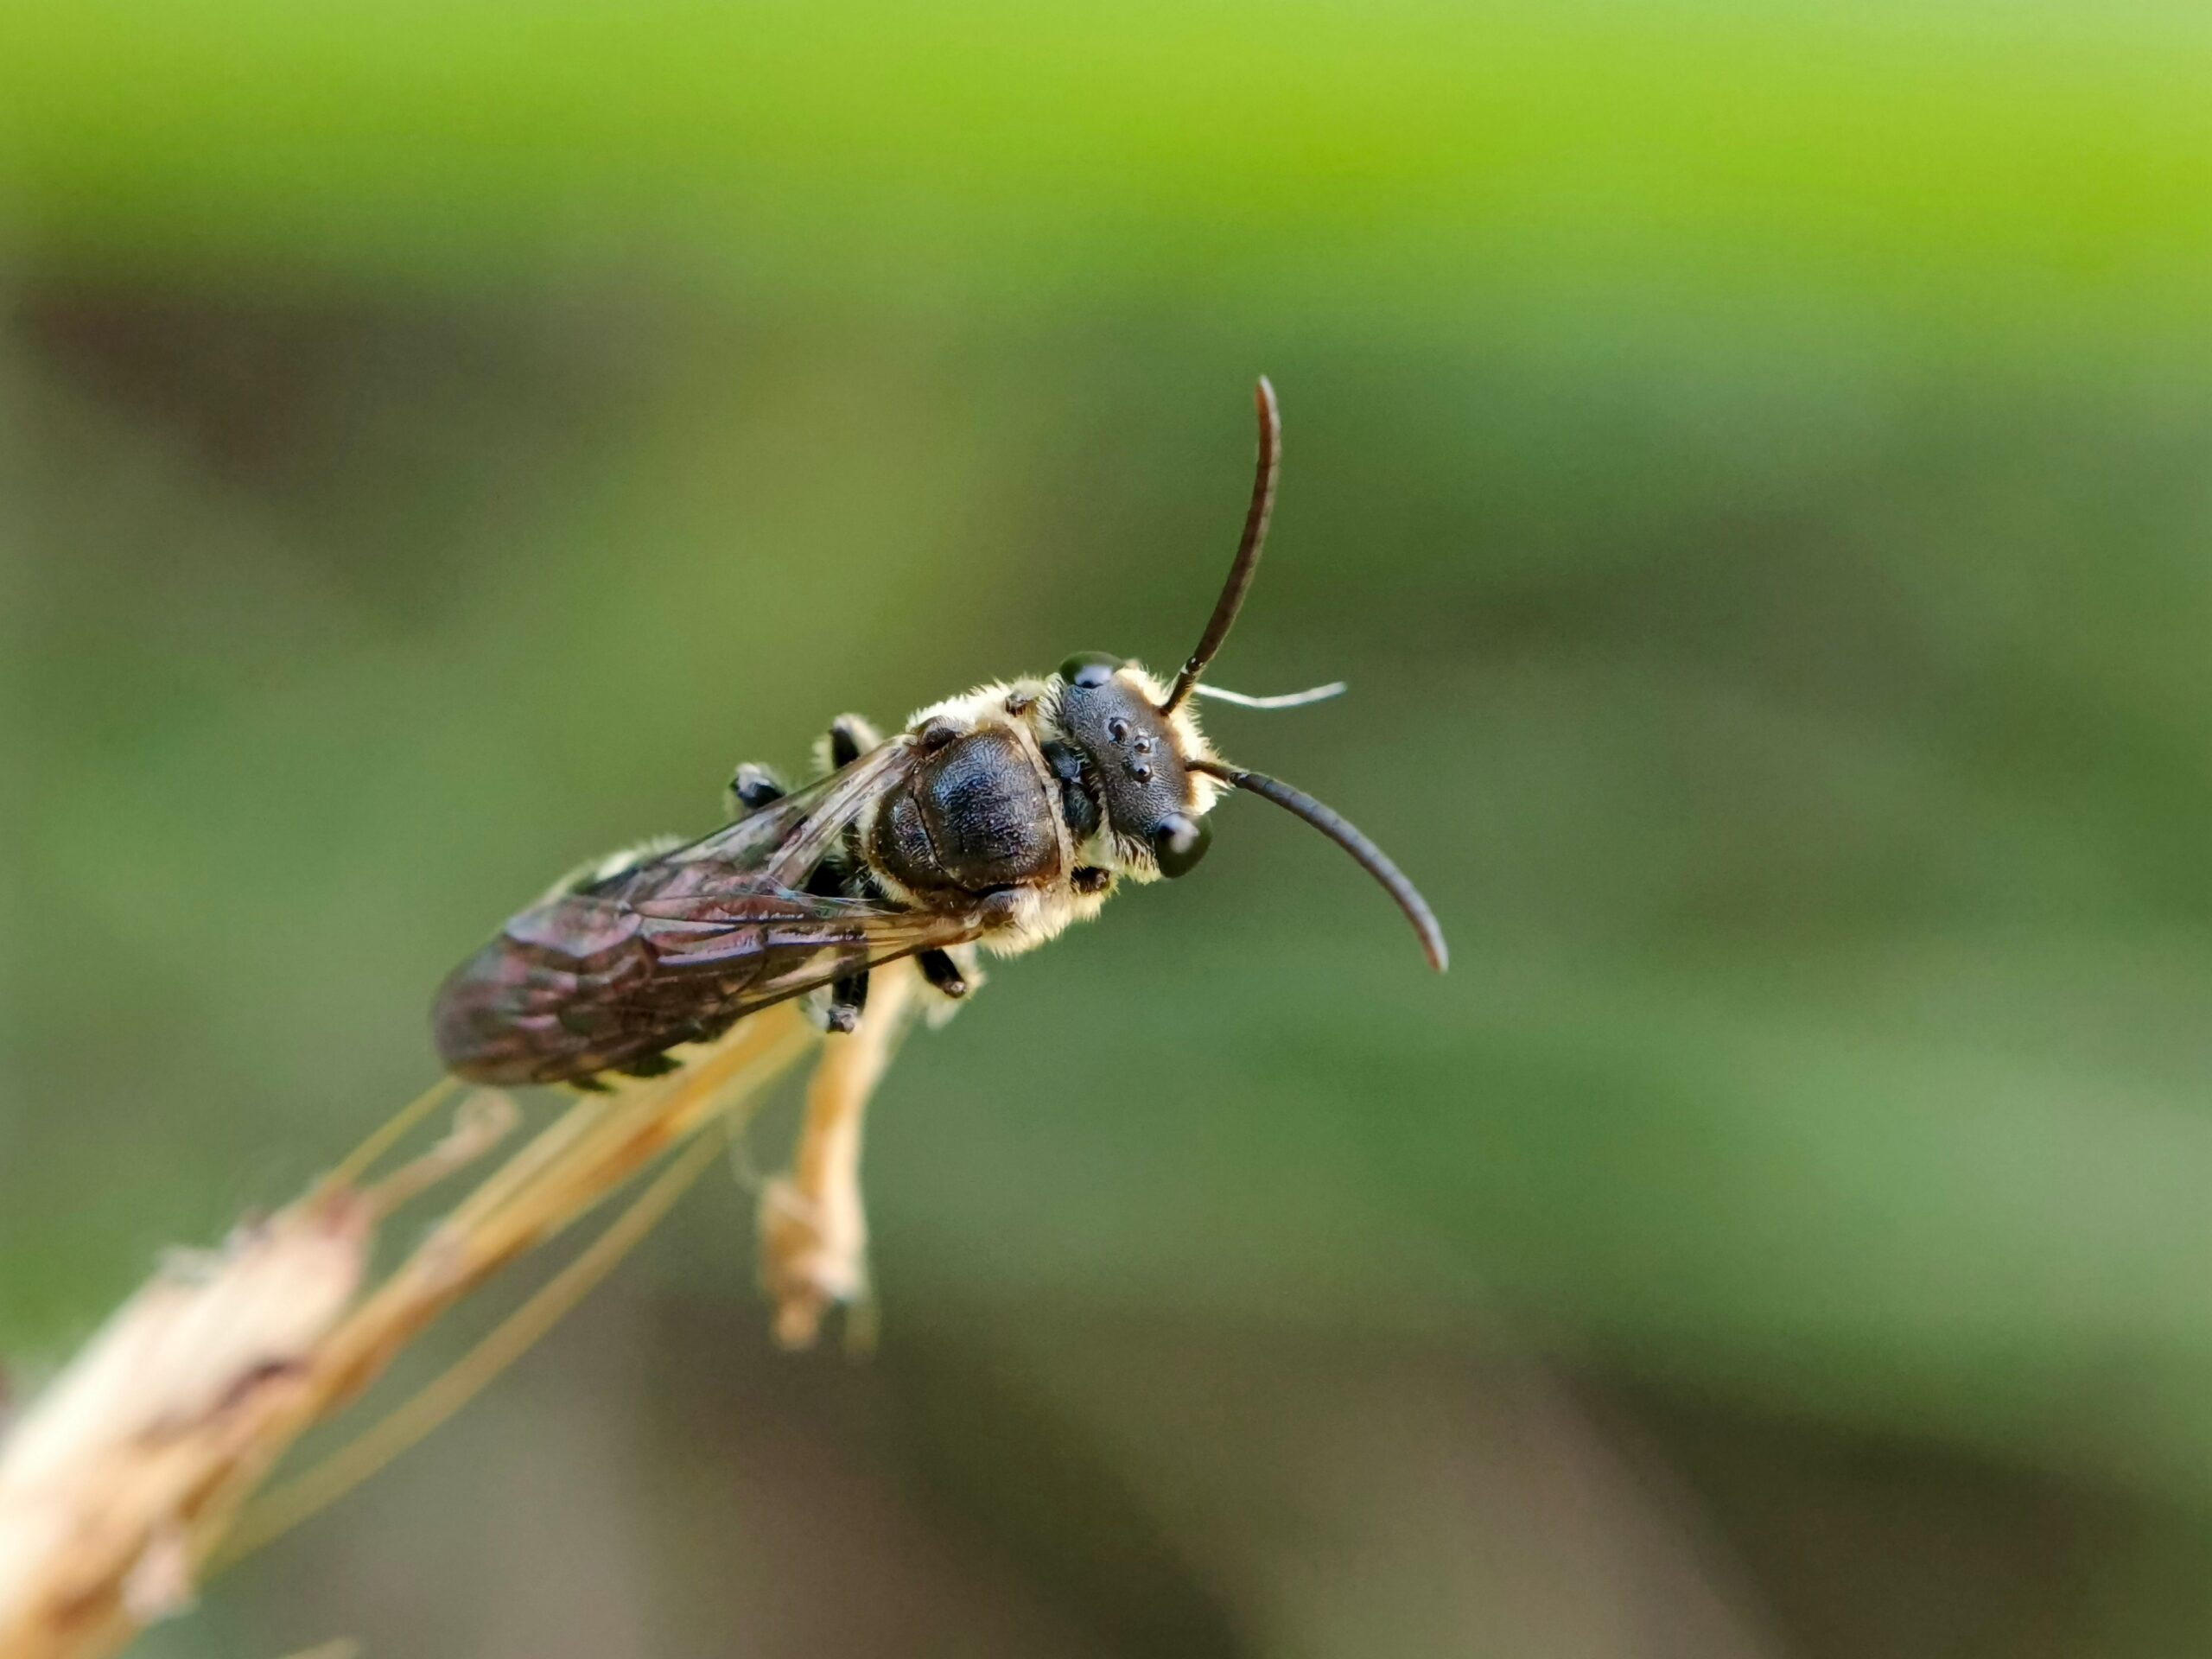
<point x="995" y="818"/>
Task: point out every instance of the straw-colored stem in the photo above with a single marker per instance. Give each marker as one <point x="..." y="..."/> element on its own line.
<point x="132" y="1470"/>
<point x="813" y="1222"/>
<point x="277" y="1511"/>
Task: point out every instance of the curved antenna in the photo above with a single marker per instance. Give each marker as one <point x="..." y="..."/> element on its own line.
<point x="1346" y="834"/>
<point x="1248" y="551"/>
<point x="1280" y="700"/>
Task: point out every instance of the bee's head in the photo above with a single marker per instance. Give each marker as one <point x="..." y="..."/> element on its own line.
<point x="1135" y="757"/>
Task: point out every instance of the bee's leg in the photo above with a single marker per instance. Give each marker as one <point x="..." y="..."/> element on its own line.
<point x="943" y="973"/>
<point x="752" y="787"/>
<point x="848" y="996"/>
<point x="841" y="875"/>
<point x="849" y="737"/>
<point x="813" y="1225"/>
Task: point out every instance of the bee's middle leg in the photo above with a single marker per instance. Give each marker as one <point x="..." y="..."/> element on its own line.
<point x="846" y="877"/>
<point x="849" y="737"/>
<point x="848" y="997"/>
<point x="943" y="973"/>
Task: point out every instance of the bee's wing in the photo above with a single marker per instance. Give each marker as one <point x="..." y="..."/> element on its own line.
<point x="677" y="948"/>
<point x="581" y="985"/>
<point x="783" y="841"/>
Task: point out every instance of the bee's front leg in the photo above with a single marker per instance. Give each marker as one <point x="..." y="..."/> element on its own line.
<point x="813" y="1224"/>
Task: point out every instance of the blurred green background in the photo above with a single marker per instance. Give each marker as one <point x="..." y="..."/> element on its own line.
<point x="1754" y="465"/>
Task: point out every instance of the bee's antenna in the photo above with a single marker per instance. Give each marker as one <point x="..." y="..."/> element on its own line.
<point x="1346" y="834"/>
<point x="1282" y="700"/>
<point x="1248" y="551"/>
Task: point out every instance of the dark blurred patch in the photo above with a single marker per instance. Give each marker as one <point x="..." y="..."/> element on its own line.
<point x="371" y="427"/>
<point x="989" y="1446"/>
<point x="1868" y="1543"/>
<point x="788" y="1510"/>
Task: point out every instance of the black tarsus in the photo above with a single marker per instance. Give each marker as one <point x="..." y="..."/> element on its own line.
<point x="942" y="972"/>
<point x="1348" y="835"/>
<point x="841" y="875"/>
<point x="844" y="742"/>
<point x="1247" y="563"/>
<point x="753" y="786"/>
<point x="848" y="997"/>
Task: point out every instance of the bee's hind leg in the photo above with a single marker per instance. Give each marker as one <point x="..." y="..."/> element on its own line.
<point x="752" y="787"/>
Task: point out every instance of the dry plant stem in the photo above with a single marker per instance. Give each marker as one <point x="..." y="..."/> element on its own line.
<point x="551" y="1183"/>
<point x="392" y="1131"/>
<point x="813" y="1224"/>
<point x="124" y="1477"/>
<point x="100" y="1482"/>
<point x="278" y="1511"/>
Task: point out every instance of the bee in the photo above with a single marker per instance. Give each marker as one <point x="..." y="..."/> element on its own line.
<point x="997" y="819"/>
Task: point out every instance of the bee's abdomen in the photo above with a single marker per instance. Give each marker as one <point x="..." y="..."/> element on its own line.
<point x="973" y="817"/>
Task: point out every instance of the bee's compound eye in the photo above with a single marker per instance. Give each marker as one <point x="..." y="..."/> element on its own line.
<point x="1178" y="843"/>
<point x="1089" y="669"/>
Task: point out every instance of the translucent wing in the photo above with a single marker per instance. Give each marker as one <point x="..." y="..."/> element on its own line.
<point x="679" y="947"/>
<point x="784" y="840"/>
